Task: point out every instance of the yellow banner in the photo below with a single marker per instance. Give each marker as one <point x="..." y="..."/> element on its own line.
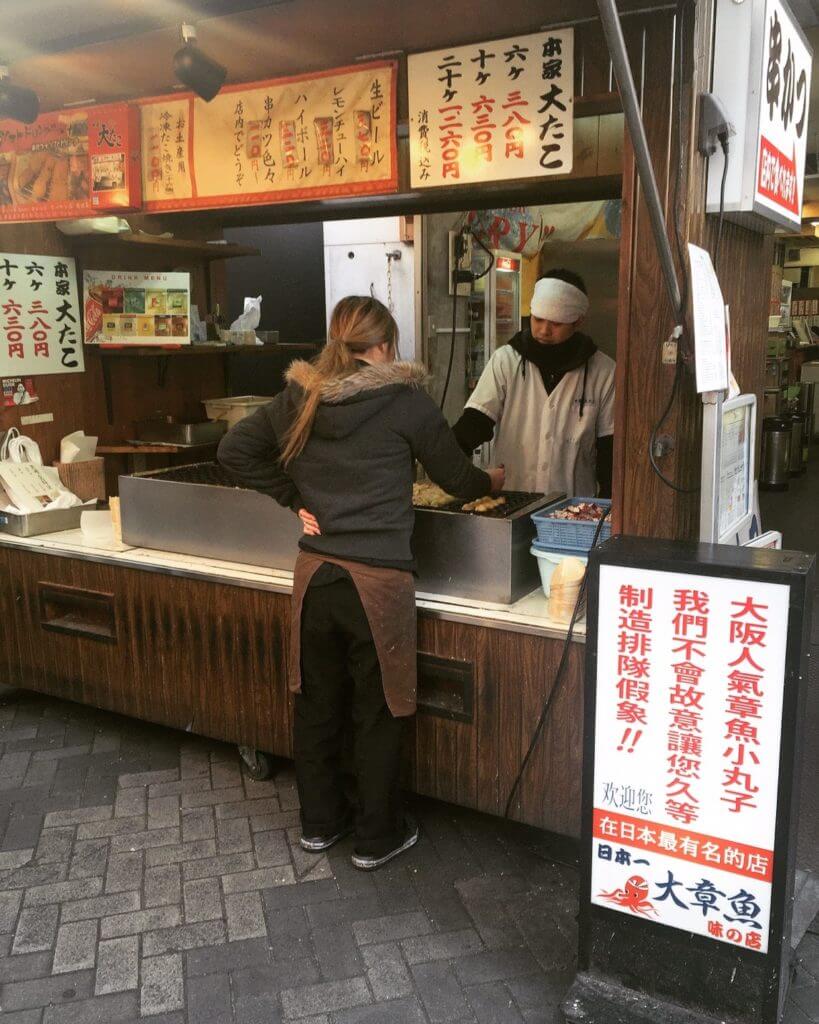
<point x="328" y="134"/>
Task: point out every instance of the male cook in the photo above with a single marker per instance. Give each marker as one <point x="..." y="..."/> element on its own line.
<point x="547" y="398"/>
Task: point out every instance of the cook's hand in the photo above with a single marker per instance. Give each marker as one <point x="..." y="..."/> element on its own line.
<point x="310" y="523"/>
<point x="498" y="478"/>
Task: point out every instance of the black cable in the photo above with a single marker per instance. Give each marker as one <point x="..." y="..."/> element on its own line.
<point x="723" y="139"/>
<point x="559" y="675"/>
<point x="678" y="372"/>
<point x="452" y="342"/>
<point x="489" y="253"/>
<point x="681" y="256"/>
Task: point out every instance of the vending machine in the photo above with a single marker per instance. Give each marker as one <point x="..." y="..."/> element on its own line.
<point x="494" y="307"/>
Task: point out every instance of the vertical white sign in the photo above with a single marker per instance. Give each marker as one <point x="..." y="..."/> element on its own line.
<point x="40" y="327"/>
<point x="784" y="97"/>
<point x="492" y="111"/>
<point x="689" y="689"/>
<point x="710" y="338"/>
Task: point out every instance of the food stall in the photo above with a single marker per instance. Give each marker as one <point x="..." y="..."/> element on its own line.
<point x="193" y="635"/>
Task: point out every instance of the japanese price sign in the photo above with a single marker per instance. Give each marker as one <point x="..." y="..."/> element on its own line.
<point x="40" y="328"/>
<point x="328" y="134"/>
<point x="70" y="163"/>
<point x="689" y="695"/>
<point x="492" y="111"/>
<point x="136" y="308"/>
<point x="783" y="120"/>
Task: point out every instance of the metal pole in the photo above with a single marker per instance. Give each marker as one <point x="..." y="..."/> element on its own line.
<point x="645" y="171"/>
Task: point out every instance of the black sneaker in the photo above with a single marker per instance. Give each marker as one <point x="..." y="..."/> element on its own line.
<point x="316" y="844"/>
<point x="369" y="862"/>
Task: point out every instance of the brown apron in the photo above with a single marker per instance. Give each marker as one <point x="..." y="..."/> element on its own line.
<point x="388" y="599"/>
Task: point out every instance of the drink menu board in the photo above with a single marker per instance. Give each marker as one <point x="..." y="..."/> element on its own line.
<point x="332" y="133"/>
<point x="70" y="163"/>
<point x="134" y="308"/>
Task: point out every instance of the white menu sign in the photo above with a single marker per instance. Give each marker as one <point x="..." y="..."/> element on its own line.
<point x="690" y="679"/>
<point x="40" y="330"/>
<point x="492" y="111"/>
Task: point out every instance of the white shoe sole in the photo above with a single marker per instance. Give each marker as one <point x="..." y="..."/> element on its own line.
<point x="364" y="863"/>
<point x="319" y="845"/>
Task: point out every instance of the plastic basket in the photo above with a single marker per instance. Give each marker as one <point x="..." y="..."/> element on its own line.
<point x="568" y="534"/>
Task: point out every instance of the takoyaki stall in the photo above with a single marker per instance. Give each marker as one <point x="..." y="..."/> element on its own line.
<point x="439" y="157"/>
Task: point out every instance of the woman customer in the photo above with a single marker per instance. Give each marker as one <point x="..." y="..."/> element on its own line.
<point x="338" y="446"/>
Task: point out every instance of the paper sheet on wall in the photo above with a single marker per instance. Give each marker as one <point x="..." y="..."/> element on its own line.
<point x="709" y="323"/>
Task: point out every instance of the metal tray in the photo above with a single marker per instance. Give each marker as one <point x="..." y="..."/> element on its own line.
<point x="180" y="433"/>
<point x="53" y="521"/>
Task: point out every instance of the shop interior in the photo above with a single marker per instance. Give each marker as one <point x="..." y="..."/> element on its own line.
<point x="149" y="405"/>
<point x="789" y="471"/>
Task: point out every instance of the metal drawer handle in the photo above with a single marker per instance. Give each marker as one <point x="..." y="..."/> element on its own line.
<point x="89" y="614"/>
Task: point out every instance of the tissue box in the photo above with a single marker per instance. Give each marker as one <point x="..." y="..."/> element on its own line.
<point x="85" y="479"/>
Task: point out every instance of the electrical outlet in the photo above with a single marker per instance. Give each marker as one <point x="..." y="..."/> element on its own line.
<point x="465" y="263"/>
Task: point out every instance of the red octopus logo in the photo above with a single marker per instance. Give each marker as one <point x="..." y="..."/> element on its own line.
<point x="633" y="897"/>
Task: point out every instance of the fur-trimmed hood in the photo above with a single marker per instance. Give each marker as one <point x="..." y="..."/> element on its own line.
<point x="347" y="402"/>
<point x="371" y="377"/>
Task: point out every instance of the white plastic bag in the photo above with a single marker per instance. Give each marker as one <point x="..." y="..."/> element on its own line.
<point x="252" y="315"/>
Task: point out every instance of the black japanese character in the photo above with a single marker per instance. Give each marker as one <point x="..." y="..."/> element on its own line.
<point x="550" y="99"/>
<point x="667" y="890"/>
<point x="552" y="69"/>
<point x="774" y="53"/>
<point x="553" y="47"/>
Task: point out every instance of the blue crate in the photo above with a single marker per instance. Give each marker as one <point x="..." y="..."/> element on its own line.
<point x="566" y="534"/>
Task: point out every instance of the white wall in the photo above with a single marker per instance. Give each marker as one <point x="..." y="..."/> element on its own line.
<point x="355" y="263"/>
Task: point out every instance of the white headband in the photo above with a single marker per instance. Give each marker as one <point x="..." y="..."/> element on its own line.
<point x="558" y="301"/>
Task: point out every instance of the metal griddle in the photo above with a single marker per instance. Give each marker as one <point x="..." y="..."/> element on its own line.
<point x="200" y="510"/>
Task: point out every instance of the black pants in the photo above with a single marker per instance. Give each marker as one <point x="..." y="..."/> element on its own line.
<point x="341" y="683"/>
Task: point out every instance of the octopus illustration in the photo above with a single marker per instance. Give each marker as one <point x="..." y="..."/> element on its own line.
<point x="633" y="897"/>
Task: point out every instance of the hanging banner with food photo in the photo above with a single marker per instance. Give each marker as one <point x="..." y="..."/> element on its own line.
<point x="492" y="111"/>
<point x="39" y="316"/>
<point x="135" y="308"/>
<point x="328" y="134"/>
<point x="70" y="163"/>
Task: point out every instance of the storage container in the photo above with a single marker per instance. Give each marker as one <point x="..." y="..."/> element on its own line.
<point x="567" y="534"/>
<point x="233" y="409"/>
<point x="49" y="521"/>
<point x="548" y="561"/>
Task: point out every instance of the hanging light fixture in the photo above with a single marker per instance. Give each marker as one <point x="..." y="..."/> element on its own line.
<point x="17" y="103"/>
<point x="195" y="69"/>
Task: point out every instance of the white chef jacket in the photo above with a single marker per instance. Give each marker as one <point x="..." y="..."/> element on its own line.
<point x="541" y="439"/>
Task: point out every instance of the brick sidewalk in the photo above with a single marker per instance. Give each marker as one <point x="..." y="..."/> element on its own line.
<point x="143" y="876"/>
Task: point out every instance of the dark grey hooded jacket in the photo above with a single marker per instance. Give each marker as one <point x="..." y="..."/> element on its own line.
<point x="355" y="473"/>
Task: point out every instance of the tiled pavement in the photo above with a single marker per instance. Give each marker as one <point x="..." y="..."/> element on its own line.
<point x="143" y="876"/>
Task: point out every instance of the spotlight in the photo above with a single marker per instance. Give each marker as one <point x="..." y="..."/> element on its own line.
<point x="195" y="69"/>
<point x="17" y="103"/>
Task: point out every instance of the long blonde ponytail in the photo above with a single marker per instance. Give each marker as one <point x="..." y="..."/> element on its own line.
<point x="358" y="323"/>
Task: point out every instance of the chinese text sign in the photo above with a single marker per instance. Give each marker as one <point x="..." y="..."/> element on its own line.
<point x="783" y="114"/>
<point x="40" y="330"/>
<point x="492" y="111"/>
<point x="321" y="135"/>
<point x="689" y="689"/>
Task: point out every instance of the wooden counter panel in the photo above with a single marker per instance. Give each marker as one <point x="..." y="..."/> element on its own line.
<point x="189" y="654"/>
<point x="211" y="658"/>
<point x="474" y="764"/>
<point x="446" y="750"/>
